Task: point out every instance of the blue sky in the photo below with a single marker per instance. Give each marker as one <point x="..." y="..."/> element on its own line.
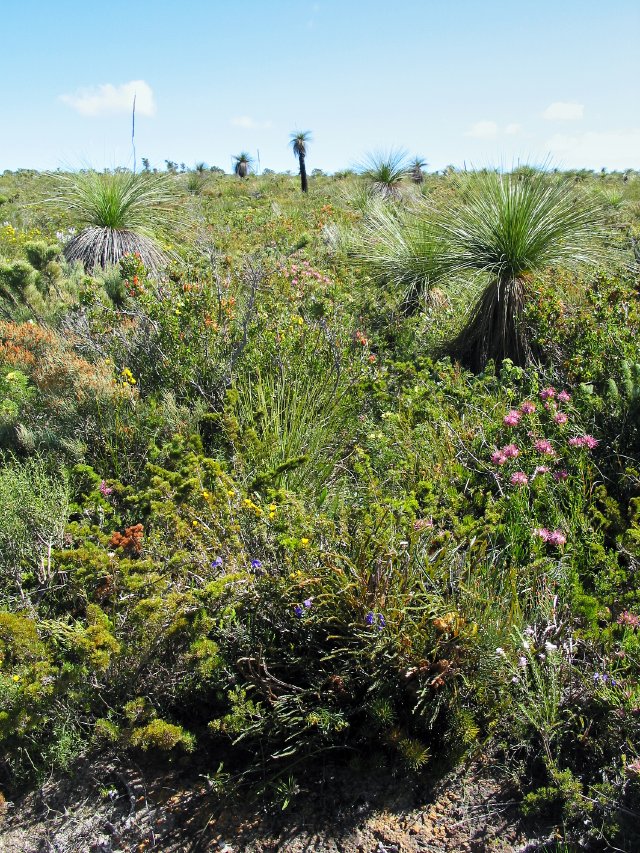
<point x="486" y="83"/>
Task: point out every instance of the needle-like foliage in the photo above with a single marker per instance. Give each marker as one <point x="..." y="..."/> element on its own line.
<point x="385" y="171"/>
<point x="120" y="212"/>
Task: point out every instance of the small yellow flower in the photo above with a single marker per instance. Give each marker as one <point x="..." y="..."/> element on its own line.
<point x="205" y="494"/>
<point x="247" y="502"/>
<point x="231" y="493"/>
<point x="272" y="515"/>
<point x="273" y="507"/>
<point x="304" y="541"/>
<point x="195" y="523"/>
<point x="16" y="678"/>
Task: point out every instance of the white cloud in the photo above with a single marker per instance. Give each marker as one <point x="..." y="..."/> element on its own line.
<point x="249" y="123"/>
<point x="483" y="130"/>
<point x="591" y="150"/>
<point x="513" y="129"/>
<point x="564" y="111"/>
<point x="108" y="99"/>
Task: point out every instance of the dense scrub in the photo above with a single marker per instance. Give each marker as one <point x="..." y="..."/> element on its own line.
<point x="247" y="511"/>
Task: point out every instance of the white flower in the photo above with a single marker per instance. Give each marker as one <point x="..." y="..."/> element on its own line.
<point x="501" y="652"/>
<point x="522" y="661"/>
<point x="550" y="647"/>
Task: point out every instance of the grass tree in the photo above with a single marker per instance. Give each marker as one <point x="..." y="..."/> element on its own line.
<point x="415" y="169"/>
<point x="299" y="142"/>
<point x="385" y="172"/>
<point x="243" y="164"/>
<point x="119" y="213"/>
<point x="505" y="229"/>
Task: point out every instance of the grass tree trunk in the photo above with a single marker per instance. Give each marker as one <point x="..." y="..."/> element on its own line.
<point x="304" y="184"/>
<point x="495" y="329"/>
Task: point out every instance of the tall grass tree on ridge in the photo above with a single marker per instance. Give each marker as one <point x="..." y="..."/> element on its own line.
<point x="416" y="166"/>
<point x="243" y="164"/>
<point x="299" y="143"/>
<point x="119" y="212"/>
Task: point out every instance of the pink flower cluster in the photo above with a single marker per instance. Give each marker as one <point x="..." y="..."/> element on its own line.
<point x="629" y="620"/>
<point x="550" y="393"/>
<point x="587" y="441"/>
<point x="519" y="478"/>
<point x="512" y="418"/>
<point x="542" y="445"/>
<point x="509" y="451"/>
<point x="105" y="490"/>
<point x="553" y="537"/>
<point x="304" y="271"/>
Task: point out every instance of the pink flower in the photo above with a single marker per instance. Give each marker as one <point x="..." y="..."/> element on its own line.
<point x="560" y="418"/>
<point x="511" y="451"/>
<point x="294" y="281"/>
<point x="564" y="397"/>
<point x="560" y="475"/>
<point x="542" y="469"/>
<point x="527" y="408"/>
<point x="553" y="537"/>
<point x="519" y="478"/>
<point x="548" y="393"/>
<point x="587" y="441"/>
<point x="544" y="446"/>
<point x="629" y="620"/>
<point x="512" y="418"/>
<point x="543" y="533"/>
<point x="557" y="537"/>
<point x="498" y="457"/>
<point x="105" y="490"/>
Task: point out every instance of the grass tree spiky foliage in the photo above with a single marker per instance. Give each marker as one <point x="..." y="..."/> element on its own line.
<point x="299" y="142"/>
<point x="243" y="164"/>
<point x="119" y="213"/>
<point x="385" y="171"/>
<point x="504" y="229"/>
<point x="508" y="229"/>
<point x="399" y="248"/>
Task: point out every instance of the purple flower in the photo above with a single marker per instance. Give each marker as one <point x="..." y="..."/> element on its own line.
<point x="519" y="478"/>
<point x="560" y="418"/>
<point x="298" y="610"/>
<point x="370" y="618"/>
<point x="217" y="563"/>
<point x="560" y="475"/>
<point x="564" y="397"/>
<point x="527" y="408"/>
<point x="105" y="490"/>
<point x="308" y="602"/>
<point x="256" y="564"/>
<point x="382" y="622"/>
<point x="548" y="393"/>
